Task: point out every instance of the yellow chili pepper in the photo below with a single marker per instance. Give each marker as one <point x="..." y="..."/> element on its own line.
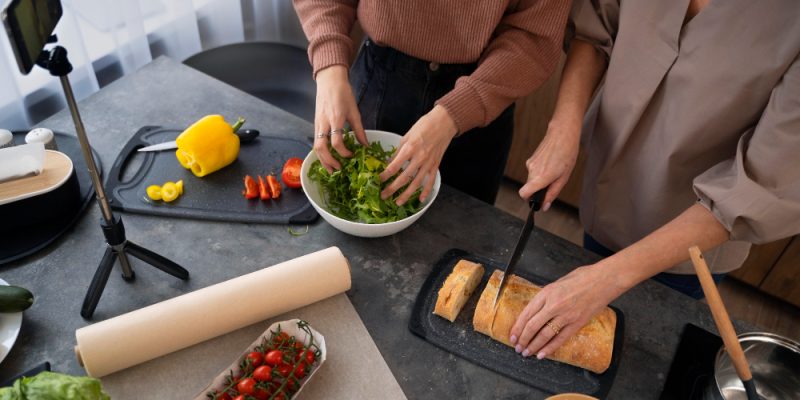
<point x="208" y="145"/>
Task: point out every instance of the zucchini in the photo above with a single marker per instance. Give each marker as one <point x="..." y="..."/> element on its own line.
<point x="14" y="299"/>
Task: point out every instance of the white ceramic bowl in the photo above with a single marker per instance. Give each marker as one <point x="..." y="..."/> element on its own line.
<point x="312" y="191"/>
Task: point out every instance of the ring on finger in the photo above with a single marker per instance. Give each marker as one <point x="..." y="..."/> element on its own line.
<point x="554" y="326"/>
<point x="322" y="135"/>
<point x="339" y="131"/>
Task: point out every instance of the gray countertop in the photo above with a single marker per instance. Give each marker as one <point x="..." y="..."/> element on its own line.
<point x="387" y="273"/>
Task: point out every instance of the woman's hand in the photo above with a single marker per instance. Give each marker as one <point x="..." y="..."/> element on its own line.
<point x="422" y="147"/>
<point x="552" y="162"/>
<point x="560" y="309"/>
<point x="335" y="106"/>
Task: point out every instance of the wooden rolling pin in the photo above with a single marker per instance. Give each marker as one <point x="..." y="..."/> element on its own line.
<point x="724" y="325"/>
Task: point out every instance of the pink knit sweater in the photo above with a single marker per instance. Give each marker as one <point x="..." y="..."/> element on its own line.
<point x="517" y="43"/>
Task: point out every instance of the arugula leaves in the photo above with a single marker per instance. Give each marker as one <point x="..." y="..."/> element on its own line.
<point x="354" y="192"/>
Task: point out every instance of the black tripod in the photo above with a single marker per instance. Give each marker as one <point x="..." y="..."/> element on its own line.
<point x="56" y="62"/>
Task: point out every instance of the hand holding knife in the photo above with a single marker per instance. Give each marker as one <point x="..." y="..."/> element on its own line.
<point x="536" y="202"/>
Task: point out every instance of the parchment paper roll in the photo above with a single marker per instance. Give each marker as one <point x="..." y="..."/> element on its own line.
<point x="177" y="323"/>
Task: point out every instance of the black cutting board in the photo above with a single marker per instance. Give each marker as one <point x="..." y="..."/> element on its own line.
<point x="460" y="339"/>
<point x="217" y="196"/>
<point x="29" y="240"/>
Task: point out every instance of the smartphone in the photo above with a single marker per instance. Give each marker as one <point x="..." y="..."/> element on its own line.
<point x="29" y="24"/>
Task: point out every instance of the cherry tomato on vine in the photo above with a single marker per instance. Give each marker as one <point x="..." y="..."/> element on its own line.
<point x="261" y="394"/>
<point x="300" y="371"/>
<point x="273" y="357"/>
<point x="262" y="373"/>
<point x="284" y="370"/>
<point x="246" y="386"/>
<point x="310" y="357"/>
<point x="256" y="358"/>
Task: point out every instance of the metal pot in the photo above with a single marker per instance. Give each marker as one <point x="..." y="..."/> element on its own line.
<point x="774" y="361"/>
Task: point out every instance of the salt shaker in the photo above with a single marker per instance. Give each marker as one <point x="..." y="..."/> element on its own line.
<point x="6" y="138"/>
<point x="42" y="135"/>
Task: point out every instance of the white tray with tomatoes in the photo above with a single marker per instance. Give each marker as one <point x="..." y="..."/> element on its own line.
<point x="275" y="367"/>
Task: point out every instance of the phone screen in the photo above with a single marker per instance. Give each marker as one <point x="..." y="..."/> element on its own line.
<point x="29" y="24"/>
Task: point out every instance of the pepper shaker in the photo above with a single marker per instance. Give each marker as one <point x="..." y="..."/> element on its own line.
<point x="42" y="135"/>
<point x="6" y="138"/>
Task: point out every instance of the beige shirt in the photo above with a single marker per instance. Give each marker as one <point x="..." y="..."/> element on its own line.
<point x="708" y="111"/>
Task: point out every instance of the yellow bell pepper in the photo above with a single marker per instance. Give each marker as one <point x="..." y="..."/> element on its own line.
<point x="208" y="145"/>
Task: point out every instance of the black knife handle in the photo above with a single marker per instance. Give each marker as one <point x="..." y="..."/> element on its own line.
<point x="537" y="200"/>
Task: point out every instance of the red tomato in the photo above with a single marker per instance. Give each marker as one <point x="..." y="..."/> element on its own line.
<point x="223" y="396"/>
<point x="274" y="357"/>
<point x="310" y="357"/>
<point x="261" y="393"/>
<point x="300" y="371"/>
<point x="291" y="385"/>
<point x="282" y="337"/>
<point x="262" y="373"/>
<point x="256" y="358"/>
<point x="239" y="397"/>
<point x="291" y="172"/>
<point x="298" y="346"/>
<point x="274" y="186"/>
<point x="279" y="396"/>
<point x="246" y="386"/>
<point x="284" y="370"/>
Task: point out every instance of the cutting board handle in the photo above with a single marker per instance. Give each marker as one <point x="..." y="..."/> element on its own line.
<point x="114" y="179"/>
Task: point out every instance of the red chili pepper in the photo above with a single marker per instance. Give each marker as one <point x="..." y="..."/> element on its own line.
<point x="263" y="190"/>
<point x="274" y="186"/>
<point x="250" y="188"/>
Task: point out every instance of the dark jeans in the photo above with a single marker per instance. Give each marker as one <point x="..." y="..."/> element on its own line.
<point x="686" y="284"/>
<point x="394" y="90"/>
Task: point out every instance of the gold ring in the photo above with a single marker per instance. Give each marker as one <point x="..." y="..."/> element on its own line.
<point x="554" y="326"/>
<point x="337" y="131"/>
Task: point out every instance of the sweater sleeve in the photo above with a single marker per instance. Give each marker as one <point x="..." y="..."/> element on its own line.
<point x="524" y="51"/>
<point x="756" y="193"/>
<point x="327" y="25"/>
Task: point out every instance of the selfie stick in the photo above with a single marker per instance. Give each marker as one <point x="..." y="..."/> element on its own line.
<point x="118" y="247"/>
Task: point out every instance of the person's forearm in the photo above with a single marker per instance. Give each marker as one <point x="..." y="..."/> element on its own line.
<point x="665" y="247"/>
<point x="583" y="70"/>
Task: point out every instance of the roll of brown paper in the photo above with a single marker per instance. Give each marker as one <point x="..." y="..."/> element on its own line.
<point x="138" y="336"/>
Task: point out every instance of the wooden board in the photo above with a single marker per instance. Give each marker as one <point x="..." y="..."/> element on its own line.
<point x="56" y="168"/>
<point x="354" y="369"/>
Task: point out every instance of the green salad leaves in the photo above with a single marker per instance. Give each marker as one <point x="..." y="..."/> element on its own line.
<point x="354" y="192"/>
<point x="51" y="385"/>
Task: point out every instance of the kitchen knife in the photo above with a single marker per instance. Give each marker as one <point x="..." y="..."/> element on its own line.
<point x="536" y="204"/>
<point x="245" y="136"/>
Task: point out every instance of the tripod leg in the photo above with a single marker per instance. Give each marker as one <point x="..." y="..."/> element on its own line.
<point x="98" y="284"/>
<point x="127" y="271"/>
<point x="156" y="260"/>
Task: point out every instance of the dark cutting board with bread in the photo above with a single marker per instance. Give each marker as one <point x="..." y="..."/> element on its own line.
<point x="460" y="338"/>
<point x="217" y="196"/>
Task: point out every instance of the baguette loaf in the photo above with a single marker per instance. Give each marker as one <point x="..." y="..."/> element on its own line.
<point x="590" y="348"/>
<point x="457" y="288"/>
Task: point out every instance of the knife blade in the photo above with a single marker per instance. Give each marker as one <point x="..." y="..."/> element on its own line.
<point x="245" y="135"/>
<point x="536" y="204"/>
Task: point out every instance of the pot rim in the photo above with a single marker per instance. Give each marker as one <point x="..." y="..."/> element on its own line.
<point x="760" y="337"/>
